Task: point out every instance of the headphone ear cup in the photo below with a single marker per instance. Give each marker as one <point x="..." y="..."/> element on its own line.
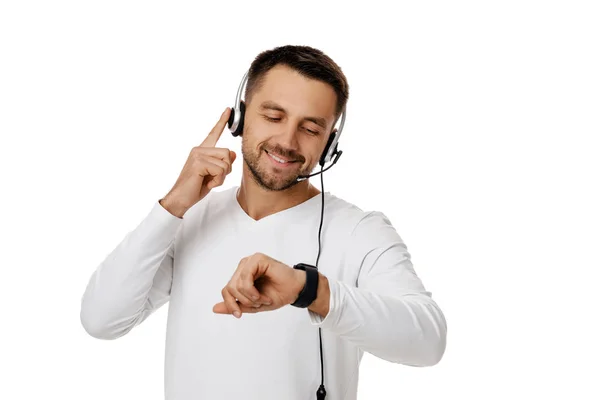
<point x="324" y="154"/>
<point x="231" y="117"/>
<point x="240" y="128"/>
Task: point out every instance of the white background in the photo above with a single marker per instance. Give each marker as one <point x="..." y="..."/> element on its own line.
<point x="473" y="125"/>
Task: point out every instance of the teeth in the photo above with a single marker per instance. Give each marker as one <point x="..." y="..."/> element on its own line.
<point x="279" y="160"/>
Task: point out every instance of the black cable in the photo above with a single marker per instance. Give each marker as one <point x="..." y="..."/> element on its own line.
<point x="321" y="224"/>
<point x="321" y="391"/>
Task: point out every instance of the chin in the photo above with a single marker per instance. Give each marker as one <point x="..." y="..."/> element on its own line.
<point x="266" y="177"/>
<point x="274" y="182"/>
<point x="269" y="175"/>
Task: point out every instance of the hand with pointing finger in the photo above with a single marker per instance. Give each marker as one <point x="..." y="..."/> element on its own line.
<point x="204" y="170"/>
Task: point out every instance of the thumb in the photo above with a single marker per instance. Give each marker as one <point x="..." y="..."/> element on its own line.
<point x="232" y="155"/>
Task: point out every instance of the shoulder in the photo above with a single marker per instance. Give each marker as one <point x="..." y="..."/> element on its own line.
<point x="356" y="220"/>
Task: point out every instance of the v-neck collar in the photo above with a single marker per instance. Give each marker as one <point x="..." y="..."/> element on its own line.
<point x="296" y="210"/>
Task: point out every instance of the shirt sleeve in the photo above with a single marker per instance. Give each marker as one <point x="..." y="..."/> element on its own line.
<point x="388" y="313"/>
<point x="134" y="280"/>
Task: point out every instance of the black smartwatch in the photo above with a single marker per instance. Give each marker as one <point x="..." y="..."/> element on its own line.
<point x="309" y="292"/>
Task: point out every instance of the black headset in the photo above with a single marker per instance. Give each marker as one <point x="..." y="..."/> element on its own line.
<point x="330" y="153"/>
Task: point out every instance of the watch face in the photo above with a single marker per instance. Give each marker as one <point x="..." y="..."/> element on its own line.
<point x="303" y="266"/>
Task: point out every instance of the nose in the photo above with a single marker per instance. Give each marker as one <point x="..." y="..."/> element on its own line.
<point x="288" y="136"/>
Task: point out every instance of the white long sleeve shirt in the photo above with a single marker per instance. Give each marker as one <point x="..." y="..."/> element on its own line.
<point x="377" y="302"/>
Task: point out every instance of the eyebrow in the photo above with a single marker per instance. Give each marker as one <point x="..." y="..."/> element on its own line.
<point x="269" y="105"/>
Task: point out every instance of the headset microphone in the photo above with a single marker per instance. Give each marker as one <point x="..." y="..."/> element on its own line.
<point x="337" y="156"/>
<point x="330" y="154"/>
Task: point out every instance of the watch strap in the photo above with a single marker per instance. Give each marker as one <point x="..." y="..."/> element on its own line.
<point x="308" y="294"/>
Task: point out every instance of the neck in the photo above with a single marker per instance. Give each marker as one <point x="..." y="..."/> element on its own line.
<point x="259" y="202"/>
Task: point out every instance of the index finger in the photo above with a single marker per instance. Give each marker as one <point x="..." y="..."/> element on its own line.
<point x="215" y="133"/>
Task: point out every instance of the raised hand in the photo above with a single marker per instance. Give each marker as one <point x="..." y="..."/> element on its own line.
<point x="205" y="169"/>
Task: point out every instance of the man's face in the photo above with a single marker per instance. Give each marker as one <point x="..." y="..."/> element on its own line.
<point x="289" y="117"/>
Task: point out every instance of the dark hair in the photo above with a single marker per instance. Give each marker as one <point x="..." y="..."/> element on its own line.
<point x="308" y="61"/>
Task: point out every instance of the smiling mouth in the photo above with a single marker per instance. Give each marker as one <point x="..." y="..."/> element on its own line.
<point x="279" y="160"/>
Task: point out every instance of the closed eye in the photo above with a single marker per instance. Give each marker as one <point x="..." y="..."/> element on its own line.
<point x="279" y="119"/>
<point x="271" y="119"/>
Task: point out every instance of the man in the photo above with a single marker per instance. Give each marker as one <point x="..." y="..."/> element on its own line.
<point x="224" y="259"/>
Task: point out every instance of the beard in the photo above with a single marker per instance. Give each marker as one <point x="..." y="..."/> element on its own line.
<point x="263" y="174"/>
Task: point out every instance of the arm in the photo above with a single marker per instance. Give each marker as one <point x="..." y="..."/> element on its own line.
<point x="389" y="313"/>
<point x="134" y="280"/>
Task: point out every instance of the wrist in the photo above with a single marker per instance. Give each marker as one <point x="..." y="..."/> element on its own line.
<point x="299" y="283"/>
<point x="173" y="206"/>
<point x="321" y="304"/>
